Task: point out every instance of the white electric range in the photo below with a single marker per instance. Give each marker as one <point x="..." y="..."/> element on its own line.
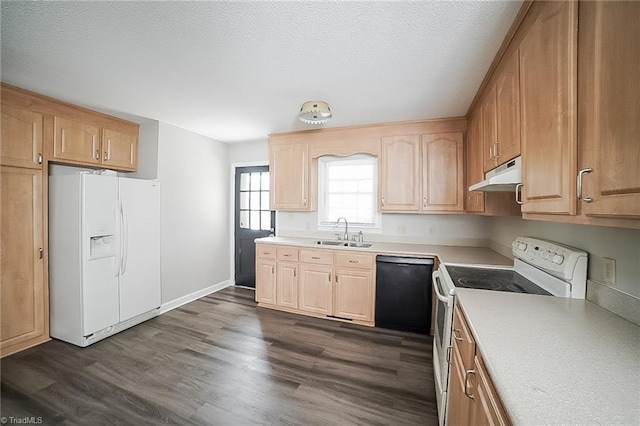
<point x="540" y="267"/>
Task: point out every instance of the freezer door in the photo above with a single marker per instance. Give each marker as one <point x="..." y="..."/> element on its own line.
<point x="140" y="269"/>
<point x="99" y="253"/>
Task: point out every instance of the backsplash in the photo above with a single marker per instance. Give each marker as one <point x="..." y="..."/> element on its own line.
<point x="402" y="228"/>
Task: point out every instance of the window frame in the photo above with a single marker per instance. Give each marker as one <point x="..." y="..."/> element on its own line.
<point x="323" y="224"/>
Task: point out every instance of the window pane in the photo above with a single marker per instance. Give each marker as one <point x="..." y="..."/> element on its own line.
<point x="244" y="219"/>
<point x="244" y="200"/>
<point x="255" y="200"/>
<point x="365" y="200"/>
<point x="349" y="186"/>
<point x="255" y="219"/>
<point x="264" y="200"/>
<point x="350" y="201"/>
<point x="265" y="181"/>
<point x="244" y="181"/>
<point x="266" y="221"/>
<point x="255" y="181"/>
<point x="365" y="185"/>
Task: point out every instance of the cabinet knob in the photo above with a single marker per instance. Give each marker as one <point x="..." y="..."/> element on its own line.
<point x="382" y="200"/>
<point x="39" y="158"/>
<point x="40" y="253"/>
<point x="97" y="154"/>
<point x="424" y="202"/>
<point x="304" y="201"/>
<point x="105" y="156"/>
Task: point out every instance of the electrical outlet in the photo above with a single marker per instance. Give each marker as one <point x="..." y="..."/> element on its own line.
<point x="401" y="230"/>
<point x="609" y="270"/>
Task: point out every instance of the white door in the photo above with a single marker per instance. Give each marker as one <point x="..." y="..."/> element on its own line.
<point x="99" y="253"/>
<point x="140" y="272"/>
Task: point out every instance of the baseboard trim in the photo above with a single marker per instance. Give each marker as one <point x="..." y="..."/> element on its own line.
<point x="166" y="307"/>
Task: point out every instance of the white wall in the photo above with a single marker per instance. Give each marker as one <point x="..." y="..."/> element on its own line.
<point x="147" y="151"/>
<point x="249" y="152"/>
<point x="194" y="180"/>
<point x="406" y="228"/>
<point x="623" y="245"/>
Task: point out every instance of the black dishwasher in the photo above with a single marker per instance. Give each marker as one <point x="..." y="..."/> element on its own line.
<point x="403" y="293"/>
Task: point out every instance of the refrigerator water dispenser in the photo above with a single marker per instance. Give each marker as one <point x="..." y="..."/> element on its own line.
<point x="101" y="246"/>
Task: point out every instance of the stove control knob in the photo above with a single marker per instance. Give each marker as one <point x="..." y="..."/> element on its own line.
<point x="544" y="254"/>
<point x="520" y="246"/>
<point x="558" y="259"/>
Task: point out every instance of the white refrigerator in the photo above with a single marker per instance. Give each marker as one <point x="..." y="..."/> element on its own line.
<point x="104" y="255"/>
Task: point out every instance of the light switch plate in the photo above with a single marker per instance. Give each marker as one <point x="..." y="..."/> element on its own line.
<point x="609" y="270"/>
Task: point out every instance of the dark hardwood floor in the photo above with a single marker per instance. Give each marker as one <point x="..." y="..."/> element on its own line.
<point x="222" y="361"/>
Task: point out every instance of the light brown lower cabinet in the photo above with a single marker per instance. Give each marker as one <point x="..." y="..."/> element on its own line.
<point x="24" y="303"/>
<point x="323" y="283"/>
<point x="472" y="399"/>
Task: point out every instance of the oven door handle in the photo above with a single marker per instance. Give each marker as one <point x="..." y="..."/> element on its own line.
<point x="436" y="276"/>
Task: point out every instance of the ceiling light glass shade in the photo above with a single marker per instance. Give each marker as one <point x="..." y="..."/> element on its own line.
<point x="315" y="112"/>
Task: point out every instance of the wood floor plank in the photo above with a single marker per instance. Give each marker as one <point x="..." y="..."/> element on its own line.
<point x="221" y="360"/>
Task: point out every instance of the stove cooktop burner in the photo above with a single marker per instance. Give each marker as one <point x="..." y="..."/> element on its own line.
<point x="492" y="279"/>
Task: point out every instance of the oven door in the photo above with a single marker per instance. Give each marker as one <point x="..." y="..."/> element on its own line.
<point x="442" y="342"/>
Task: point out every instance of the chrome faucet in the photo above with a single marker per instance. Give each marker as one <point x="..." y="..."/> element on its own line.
<point x="346" y="227"/>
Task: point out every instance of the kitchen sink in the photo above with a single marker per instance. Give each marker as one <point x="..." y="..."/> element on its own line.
<point x="343" y="244"/>
<point x="331" y="243"/>
<point x="359" y="245"/>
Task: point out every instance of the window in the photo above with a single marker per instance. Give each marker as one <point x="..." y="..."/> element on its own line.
<point x="254" y="201"/>
<point x="348" y="187"/>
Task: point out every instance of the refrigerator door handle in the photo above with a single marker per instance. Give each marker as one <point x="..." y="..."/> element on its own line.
<point x="125" y="236"/>
<point x="121" y="263"/>
<point x="117" y="257"/>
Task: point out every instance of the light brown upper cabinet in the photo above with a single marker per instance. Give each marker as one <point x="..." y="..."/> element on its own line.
<point x="548" y="109"/>
<point x="400" y="171"/>
<point x="289" y="174"/>
<point x="474" y="174"/>
<point x="500" y="111"/>
<point x="443" y="172"/>
<point x="609" y="90"/>
<point x="21" y="142"/>
<point x="119" y="149"/>
<point x="75" y="141"/>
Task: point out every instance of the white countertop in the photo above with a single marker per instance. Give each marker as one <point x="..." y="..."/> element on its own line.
<point x="448" y="254"/>
<point x="555" y="360"/>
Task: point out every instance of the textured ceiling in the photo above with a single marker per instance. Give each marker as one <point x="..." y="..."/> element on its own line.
<point x="237" y="71"/>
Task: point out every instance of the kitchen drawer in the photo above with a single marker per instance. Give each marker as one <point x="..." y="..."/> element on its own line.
<point x="322" y="257"/>
<point x="463" y="339"/>
<point x="288" y="253"/>
<point x="354" y="260"/>
<point x="266" y="251"/>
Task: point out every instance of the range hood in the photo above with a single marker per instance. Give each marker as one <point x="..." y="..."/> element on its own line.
<point x="503" y="178"/>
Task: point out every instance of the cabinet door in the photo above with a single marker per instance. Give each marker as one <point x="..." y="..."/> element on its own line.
<point x="353" y="296"/>
<point x="459" y="404"/>
<point x="400" y="174"/>
<point x="610" y="110"/>
<point x="74" y="141"/>
<point x="486" y="408"/>
<point x="443" y="172"/>
<point x="289" y="173"/>
<point x="21" y="142"/>
<point x="316" y="289"/>
<point x="266" y="281"/>
<point x="548" y="102"/>
<point x="489" y="137"/>
<point x="24" y="302"/>
<point x="507" y="110"/>
<point x="119" y="149"/>
<point x="474" y="172"/>
<point x="287" y="285"/>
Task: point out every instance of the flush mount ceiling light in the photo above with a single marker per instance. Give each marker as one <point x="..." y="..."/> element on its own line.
<point x="315" y="112"/>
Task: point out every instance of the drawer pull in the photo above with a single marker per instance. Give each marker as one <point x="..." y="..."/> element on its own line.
<point x="466" y="383"/>
<point x="456" y="335"/>
<point x="39" y="158"/>
<point x="354" y="261"/>
<point x="266" y="253"/>
<point x="287" y="255"/>
<point x="315" y="257"/>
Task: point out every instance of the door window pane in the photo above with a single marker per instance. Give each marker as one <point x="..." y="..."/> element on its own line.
<point x="254" y="216"/>
<point x="266" y="221"/>
<point x="255" y="181"/>
<point x="244" y="219"/>
<point x="244" y="181"/>
<point x="244" y="201"/>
